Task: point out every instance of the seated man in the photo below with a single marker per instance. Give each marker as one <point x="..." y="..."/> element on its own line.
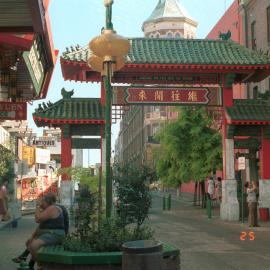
<point x="53" y="225"/>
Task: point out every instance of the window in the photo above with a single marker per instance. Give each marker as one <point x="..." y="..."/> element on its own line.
<point x="253" y="36"/>
<point x="169" y="35"/>
<point x="177" y="35"/>
<point x="268" y="23"/>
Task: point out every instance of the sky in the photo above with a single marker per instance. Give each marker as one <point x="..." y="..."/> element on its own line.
<point x="78" y="21"/>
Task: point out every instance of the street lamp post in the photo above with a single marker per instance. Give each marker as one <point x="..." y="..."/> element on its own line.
<point x="108" y="51"/>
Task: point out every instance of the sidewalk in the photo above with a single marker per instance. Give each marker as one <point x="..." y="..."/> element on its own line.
<point x="187" y="199"/>
<point x="210" y="244"/>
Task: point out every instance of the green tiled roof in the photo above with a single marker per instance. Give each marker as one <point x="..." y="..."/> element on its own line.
<point x="249" y="110"/>
<point x="181" y="51"/>
<point x="71" y="109"/>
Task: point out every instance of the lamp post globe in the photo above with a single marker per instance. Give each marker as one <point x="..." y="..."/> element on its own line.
<point x="109" y="46"/>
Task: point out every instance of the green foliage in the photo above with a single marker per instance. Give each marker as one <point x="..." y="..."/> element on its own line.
<point x="108" y="235"/>
<point x="82" y="175"/>
<point x="189" y="148"/>
<point x="6" y="159"/>
<point x="85" y="214"/>
<point x="133" y="193"/>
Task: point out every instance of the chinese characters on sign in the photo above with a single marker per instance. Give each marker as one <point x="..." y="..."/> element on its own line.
<point x="32" y="189"/>
<point x="28" y="154"/>
<point x="13" y="111"/>
<point x="167" y="96"/>
<point x="36" y="64"/>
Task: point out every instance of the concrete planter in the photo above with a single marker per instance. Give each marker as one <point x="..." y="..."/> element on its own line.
<point x="55" y="258"/>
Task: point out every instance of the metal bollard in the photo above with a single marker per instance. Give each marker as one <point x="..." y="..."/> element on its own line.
<point x="169" y="200"/>
<point x="209" y="208"/>
<point x="164" y="203"/>
<point x="23" y="266"/>
<point x="142" y="255"/>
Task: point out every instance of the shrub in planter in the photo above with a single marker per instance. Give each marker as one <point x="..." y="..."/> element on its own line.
<point x="133" y="195"/>
<point x="110" y="233"/>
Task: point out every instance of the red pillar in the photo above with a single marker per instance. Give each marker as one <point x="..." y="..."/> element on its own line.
<point x="265" y="159"/>
<point x="66" y="155"/>
<point x="227" y="96"/>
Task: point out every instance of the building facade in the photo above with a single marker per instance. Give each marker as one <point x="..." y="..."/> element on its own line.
<point x="140" y="124"/>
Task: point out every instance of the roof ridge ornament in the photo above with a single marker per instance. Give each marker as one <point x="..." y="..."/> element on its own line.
<point x="225" y="36"/>
<point x="67" y="94"/>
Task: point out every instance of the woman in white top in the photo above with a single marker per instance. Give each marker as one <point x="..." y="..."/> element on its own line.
<point x="252" y="204"/>
<point x="211" y="187"/>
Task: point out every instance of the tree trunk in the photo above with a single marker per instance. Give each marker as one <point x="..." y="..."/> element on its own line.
<point x="203" y="194"/>
<point x="195" y="194"/>
<point x="199" y="195"/>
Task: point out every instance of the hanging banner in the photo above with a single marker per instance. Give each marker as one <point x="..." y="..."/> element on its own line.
<point x="28" y="154"/>
<point x="13" y="111"/>
<point x="167" y="96"/>
<point x="43" y="156"/>
<point x="31" y="189"/>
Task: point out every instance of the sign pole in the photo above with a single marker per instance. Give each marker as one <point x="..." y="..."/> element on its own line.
<point x="108" y="146"/>
<point x="242" y="181"/>
<point x="241" y="167"/>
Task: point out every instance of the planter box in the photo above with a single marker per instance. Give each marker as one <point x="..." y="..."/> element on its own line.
<point x="55" y="258"/>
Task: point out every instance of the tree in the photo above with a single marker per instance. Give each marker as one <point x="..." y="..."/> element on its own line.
<point x="190" y="148"/>
<point x="6" y="159"/>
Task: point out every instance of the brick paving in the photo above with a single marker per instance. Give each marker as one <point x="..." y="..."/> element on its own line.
<point x="205" y="244"/>
<point x="12" y="241"/>
<point x="208" y="244"/>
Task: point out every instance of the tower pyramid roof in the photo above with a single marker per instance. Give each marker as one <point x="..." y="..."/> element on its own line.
<point x="169" y="9"/>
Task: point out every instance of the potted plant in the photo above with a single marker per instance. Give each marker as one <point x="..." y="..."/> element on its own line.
<point x="97" y="243"/>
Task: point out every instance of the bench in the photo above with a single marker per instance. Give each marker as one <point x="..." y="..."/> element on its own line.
<point x="55" y="257"/>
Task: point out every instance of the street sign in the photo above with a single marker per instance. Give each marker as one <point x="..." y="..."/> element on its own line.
<point x="36" y="64"/>
<point x="169" y="95"/>
<point x="13" y="111"/>
<point x="43" y="141"/>
<point x="28" y="154"/>
<point x="43" y="156"/>
<point x="241" y="163"/>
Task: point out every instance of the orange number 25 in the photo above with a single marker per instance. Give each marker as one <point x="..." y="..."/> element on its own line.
<point x="243" y="236"/>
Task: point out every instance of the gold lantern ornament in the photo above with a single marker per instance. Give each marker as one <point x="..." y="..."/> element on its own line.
<point x="108" y="51"/>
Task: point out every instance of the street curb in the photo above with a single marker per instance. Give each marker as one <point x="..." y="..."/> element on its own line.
<point x="4" y="225"/>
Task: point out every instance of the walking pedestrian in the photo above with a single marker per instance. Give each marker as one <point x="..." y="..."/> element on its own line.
<point x="219" y="189"/>
<point x="211" y="187"/>
<point x="4" y="214"/>
<point x="252" y="192"/>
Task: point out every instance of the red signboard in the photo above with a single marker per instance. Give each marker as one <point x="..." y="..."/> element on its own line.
<point x="13" y="111"/>
<point x="168" y="95"/>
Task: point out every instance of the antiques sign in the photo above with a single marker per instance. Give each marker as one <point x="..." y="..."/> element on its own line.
<point x="167" y="96"/>
<point x="43" y="141"/>
<point x="13" y="111"/>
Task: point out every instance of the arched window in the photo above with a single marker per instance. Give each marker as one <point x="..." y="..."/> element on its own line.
<point x="169" y="35"/>
<point x="157" y="35"/>
<point x="177" y="35"/>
